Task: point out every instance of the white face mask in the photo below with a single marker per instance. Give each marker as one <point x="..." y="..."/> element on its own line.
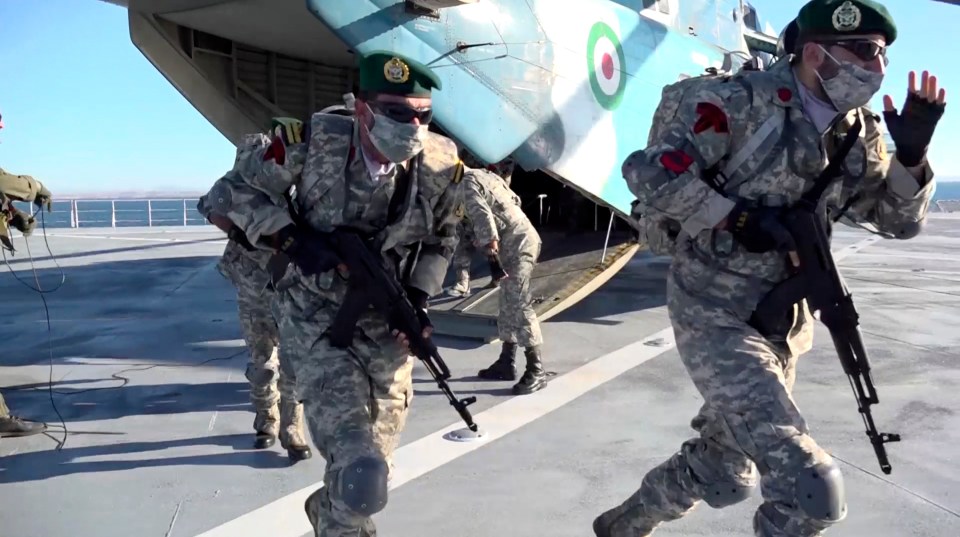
<point x="398" y="142"/>
<point x="852" y="87"/>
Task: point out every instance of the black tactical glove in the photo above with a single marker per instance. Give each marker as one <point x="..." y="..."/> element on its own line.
<point x="309" y="251"/>
<point x="277" y="266"/>
<point x="419" y="299"/>
<point x="497" y="272"/>
<point x="759" y="229"/>
<point x="44" y="197"/>
<point x="239" y="237"/>
<point x="913" y="129"/>
<point x="23" y="222"/>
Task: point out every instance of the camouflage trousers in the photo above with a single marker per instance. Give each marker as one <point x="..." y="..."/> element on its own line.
<point x="356" y="402"/>
<point x="749" y="423"/>
<point x="272" y="382"/>
<point x="517" y="321"/>
<point x="463" y="258"/>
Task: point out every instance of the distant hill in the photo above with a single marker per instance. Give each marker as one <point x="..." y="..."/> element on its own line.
<point x="948" y="188"/>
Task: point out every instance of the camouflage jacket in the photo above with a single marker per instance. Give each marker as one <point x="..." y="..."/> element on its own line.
<point x="333" y="188"/>
<point x="493" y="210"/>
<point x="716" y="121"/>
<point x="19" y="187"/>
<point x="239" y="265"/>
<point x="16" y="188"/>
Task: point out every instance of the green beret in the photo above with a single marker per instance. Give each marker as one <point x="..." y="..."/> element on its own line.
<point x="839" y="18"/>
<point x="386" y="72"/>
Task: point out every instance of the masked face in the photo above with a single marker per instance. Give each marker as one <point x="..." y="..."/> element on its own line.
<point x="852" y="87"/>
<point x="396" y="141"/>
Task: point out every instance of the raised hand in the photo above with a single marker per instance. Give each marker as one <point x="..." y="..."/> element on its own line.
<point x="913" y="128"/>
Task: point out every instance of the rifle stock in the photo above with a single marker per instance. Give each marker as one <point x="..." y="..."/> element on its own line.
<point x="820" y="283"/>
<point x="371" y="282"/>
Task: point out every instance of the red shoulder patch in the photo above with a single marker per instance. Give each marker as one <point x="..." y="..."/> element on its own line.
<point x="276" y="151"/>
<point x="784" y="94"/>
<point x="676" y="161"/>
<point x="710" y="116"/>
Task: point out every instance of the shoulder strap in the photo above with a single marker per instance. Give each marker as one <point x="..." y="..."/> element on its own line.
<point x="773" y="123"/>
<point x="718" y="176"/>
<point x="401" y="190"/>
<point x="832" y="171"/>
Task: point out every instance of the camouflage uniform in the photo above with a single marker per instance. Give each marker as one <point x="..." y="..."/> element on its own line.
<point x="749" y="427"/>
<point x="463" y="259"/>
<point x="494" y="213"/>
<point x="463" y="255"/>
<point x="356" y="399"/>
<point x="19" y="188"/>
<point x="268" y="369"/>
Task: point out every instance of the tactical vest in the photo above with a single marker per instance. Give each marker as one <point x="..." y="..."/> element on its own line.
<point x="321" y="193"/>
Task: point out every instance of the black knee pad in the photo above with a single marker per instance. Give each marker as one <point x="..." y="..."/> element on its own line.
<point x="820" y="492"/>
<point x="363" y="485"/>
<point x="722" y="494"/>
<point x="909" y="230"/>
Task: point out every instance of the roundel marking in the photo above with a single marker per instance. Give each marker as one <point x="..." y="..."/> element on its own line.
<point x="605" y="62"/>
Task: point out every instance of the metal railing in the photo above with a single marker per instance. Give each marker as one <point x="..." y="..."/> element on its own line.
<point x="122" y="212"/>
<point x="156" y="212"/>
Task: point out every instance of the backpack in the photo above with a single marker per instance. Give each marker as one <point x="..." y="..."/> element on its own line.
<point x="658" y="231"/>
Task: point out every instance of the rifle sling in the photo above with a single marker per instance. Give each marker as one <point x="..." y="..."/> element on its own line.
<point x="833" y="169"/>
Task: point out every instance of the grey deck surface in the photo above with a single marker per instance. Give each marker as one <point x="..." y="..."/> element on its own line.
<point x="168" y="454"/>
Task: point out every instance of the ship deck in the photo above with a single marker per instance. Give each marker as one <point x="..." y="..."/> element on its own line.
<point x="146" y="358"/>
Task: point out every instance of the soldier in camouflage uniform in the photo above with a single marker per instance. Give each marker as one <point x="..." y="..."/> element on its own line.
<point x="18" y="188"/>
<point x="380" y="172"/>
<point x="463" y="255"/>
<point x="463" y="260"/>
<point x="731" y="250"/>
<point x="272" y="381"/>
<point x="501" y="227"/>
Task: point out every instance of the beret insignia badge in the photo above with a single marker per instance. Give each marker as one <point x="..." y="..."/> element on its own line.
<point x="396" y="71"/>
<point x="846" y="17"/>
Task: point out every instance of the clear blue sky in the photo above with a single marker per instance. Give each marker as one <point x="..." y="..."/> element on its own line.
<point x="86" y="112"/>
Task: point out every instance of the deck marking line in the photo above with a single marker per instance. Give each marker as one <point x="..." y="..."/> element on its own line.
<point x="847" y="251"/>
<point x="285" y="517"/>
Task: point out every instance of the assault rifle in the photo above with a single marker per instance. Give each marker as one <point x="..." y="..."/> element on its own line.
<point x="819" y="282"/>
<point x="373" y="282"/>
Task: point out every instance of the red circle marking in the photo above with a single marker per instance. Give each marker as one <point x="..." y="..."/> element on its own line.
<point x="606" y="65"/>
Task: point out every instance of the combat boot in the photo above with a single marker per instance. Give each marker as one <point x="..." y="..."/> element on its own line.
<point x="534" y="378"/>
<point x="462" y="287"/>
<point x="292" y="438"/>
<point x="265" y="424"/>
<point x="319" y="502"/>
<point x="503" y="368"/>
<point x="314" y="503"/>
<point x="11" y="426"/>
<point x="613" y="523"/>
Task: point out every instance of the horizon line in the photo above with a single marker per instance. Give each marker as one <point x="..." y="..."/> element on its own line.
<point x="186" y="194"/>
